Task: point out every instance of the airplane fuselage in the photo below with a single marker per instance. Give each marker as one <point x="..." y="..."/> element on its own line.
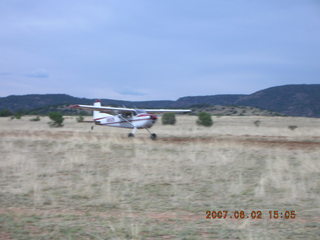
<point x="143" y="120"/>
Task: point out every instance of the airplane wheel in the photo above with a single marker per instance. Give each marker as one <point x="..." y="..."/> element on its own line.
<point x="130" y="135"/>
<point x="153" y="136"/>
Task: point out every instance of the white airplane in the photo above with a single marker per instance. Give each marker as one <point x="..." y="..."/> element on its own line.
<point x="126" y="117"/>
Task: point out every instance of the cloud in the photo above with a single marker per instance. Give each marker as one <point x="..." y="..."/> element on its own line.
<point x="140" y="50"/>
<point x="39" y="73"/>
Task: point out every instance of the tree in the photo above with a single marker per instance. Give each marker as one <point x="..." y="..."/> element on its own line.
<point x="57" y="119"/>
<point x="18" y="115"/>
<point x="292" y="127"/>
<point x="80" y="118"/>
<point x="204" y="119"/>
<point x="257" y="123"/>
<point x="35" y="119"/>
<point x="168" y="119"/>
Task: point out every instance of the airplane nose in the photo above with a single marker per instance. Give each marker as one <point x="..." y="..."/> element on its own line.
<point x="153" y="117"/>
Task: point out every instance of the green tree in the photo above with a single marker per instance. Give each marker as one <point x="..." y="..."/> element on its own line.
<point x="292" y="127"/>
<point x="168" y="119"/>
<point x="18" y="115"/>
<point x="35" y="119"/>
<point x="204" y="119"/>
<point x="57" y="119"/>
<point x="257" y="123"/>
<point x="80" y="118"/>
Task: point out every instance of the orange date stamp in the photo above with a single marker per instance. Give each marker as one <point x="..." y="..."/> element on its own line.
<point x="255" y="214"/>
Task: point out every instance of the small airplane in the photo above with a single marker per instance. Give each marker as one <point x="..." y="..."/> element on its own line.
<point x="126" y="117"/>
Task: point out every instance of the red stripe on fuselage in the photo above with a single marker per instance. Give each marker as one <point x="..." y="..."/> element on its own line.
<point x="127" y="121"/>
<point x="99" y="118"/>
<point x="152" y="116"/>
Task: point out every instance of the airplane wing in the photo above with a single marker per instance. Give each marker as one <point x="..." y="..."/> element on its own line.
<point x="166" y="110"/>
<point x="118" y="109"/>
<point x="102" y="109"/>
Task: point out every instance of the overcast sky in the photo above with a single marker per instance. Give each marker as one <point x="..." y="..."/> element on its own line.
<point x="156" y="49"/>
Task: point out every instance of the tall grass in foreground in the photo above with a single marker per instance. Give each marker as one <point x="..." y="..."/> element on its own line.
<point x="80" y="184"/>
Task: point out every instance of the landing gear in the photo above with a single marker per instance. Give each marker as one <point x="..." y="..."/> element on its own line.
<point x="153" y="136"/>
<point x="130" y="135"/>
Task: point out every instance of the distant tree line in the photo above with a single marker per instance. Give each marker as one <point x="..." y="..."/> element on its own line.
<point x="8" y="113"/>
<point x="44" y="111"/>
<point x="5" y="113"/>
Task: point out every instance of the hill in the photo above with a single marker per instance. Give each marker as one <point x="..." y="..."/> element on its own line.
<point x="292" y="100"/>
<point x="41" y="102"/>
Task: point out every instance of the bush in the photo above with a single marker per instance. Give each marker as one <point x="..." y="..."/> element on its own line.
<point x="37" y="118"/>
<point x="80" y="118"/>
<point x="18" y="116"/>
<point x="292" y="127"/>
<point x="204" y="119"/>
<point x="168" y="119"/>
<point x="257" y="123"/>
<point x="57" y="119"/>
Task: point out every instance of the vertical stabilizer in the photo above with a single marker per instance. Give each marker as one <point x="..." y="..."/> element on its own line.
<point x="97" y="114"/>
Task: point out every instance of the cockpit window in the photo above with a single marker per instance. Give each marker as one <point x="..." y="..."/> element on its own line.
<point x="138" y="111"/>
<point x="126" y="114"/>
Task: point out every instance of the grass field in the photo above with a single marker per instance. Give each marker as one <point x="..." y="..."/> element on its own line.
<point x="74" y="183"/>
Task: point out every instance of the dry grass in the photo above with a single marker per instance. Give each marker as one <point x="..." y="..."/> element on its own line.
<point x="73" y="183"/>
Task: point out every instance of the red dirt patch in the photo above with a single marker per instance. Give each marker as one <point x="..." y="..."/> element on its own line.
<point x="268" y="141"/>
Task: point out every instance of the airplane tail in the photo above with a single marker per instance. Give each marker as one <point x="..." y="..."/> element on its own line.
<point x="97" y="114"/>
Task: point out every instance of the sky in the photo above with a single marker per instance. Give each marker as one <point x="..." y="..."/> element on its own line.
<point x="156" y="50"/>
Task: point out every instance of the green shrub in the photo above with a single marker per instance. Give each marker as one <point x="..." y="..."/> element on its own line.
<point x="80" y="118"/>
<point x="168" y="119"/>
<point x="257" y="123"/>
<point x="292" y="127"/>
<point x="204" y="119"/>
<point x="18" y="116"/>
<point x="37" y="118"/>
<point x="57" y="119"/>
